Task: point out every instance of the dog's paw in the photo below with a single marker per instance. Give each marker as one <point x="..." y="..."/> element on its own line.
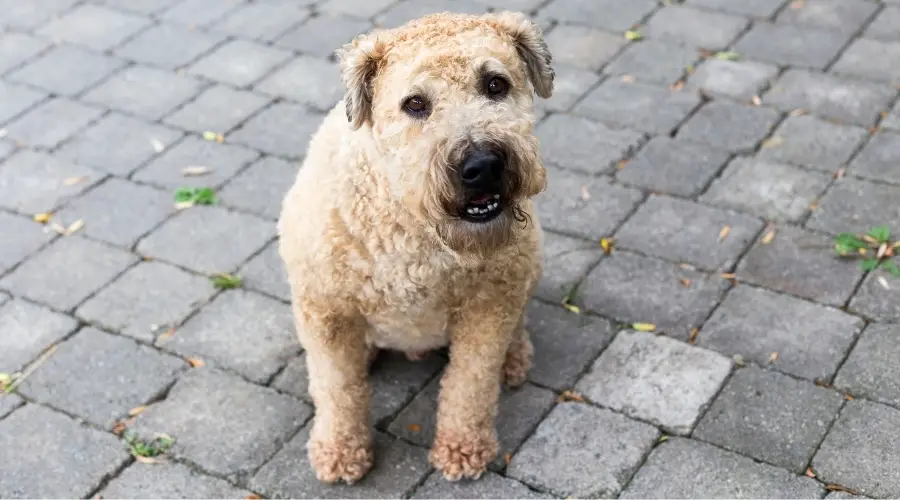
<point x="348" y="460"/>
<point x="517" y="364"/>
<point x="463" y="455"/>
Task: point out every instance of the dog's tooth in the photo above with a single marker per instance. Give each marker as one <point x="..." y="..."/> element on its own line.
<point x="496" y="196"/>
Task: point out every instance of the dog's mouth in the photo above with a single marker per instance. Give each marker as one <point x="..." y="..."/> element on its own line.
<point x="482" y="208"/>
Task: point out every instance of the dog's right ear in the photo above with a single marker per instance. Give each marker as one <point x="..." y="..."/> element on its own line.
<point x="529" y="40"/>
<point x="359" y="62"/>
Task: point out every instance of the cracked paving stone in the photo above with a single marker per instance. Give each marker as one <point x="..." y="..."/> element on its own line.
<point x="566" y="261"/>
<point x="871" y="370"/>
<point x="633" y="288"/>
<point x="100" y="377"/>
<point x="398" y="467"/>
<point x="876" y="300"/>
<point x="846" y="16"/>
<point x="680" y="168"/>
<point x="879" y="159"/>
<point x="168" y="46"/>
<point x="741" y="80"/>
<point x="218" y="335"/>
<point x="770" y="190"/>
<point x="217" y="109"/>
<point x="29" y="238"/>
<point x="733" y="127"/>
<point x="583" y="451"/>
<point x="636" y="106"/>
<point x="698" y="28"/>
<point x="855" y="206"/>
<point x="656" y="379"/>
<point x="565" y="207"/>
<point x="256" y="420"/>
<point x="800" y="262"/>
<point x="863" y="449"/>
<point x="27" y="330"/>
<point x="260" y="189"/>
<point x="654" y="62"/>
<point x="872" y="60"/>
<point x="67" y="70"/>
<point x="684" y="468"/>
<point x="168" y="480"/>
<point x="488" y="486"/>
<point x="147" y="300"/>
<point x="791" y="45"/>
<point x="684" y="231"/>
<point x="94" y="26"/>
<point x="283" y="129"/>
<point x="147" y="92"/>
<point x="38" y="442"/>
<point x="67" y="272"/>
<point x="266" y="273"/>
<point x="222" y="160"/>
<point x="610" y="15"/>
<point x="810" y="339"/>
<point x="770" y="417"/>
<point x="583" y="47"/>
<point x="51" y="122"/>
<point x="606" y="146"/>
<point x="813" y="143"/>
<point x="239" y="63"/>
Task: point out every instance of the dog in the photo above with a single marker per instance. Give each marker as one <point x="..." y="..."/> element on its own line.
<point x="410" y="226"/>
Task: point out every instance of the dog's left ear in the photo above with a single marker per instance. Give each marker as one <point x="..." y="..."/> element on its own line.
<point x="359" y="62"/>
<point x="532" y="48"/>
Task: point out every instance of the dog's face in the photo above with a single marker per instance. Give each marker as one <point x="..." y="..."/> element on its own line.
<point x="448" y="100"/>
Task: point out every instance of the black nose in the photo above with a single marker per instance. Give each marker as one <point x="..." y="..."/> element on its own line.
<point x="482" y="169"/>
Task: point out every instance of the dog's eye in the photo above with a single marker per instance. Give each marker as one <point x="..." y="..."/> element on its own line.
<point x="416" y="106"/>
<point x="497" y="87"/>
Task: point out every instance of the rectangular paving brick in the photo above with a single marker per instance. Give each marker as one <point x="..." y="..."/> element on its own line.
<point x="218" y="109"/>
<point x="604" y="146"/>
<point x="283" y="129"/>
<point x="684" y="231"/>
<point x="27" y="330"/>
<point x="810" y="340"/>
<point x="607" y="15"/>
<point x="846" y="16"/>
<point x="94" y="26"/>
<point x="731" y="127"/>
<point x="565" y="262"/>
<point x="800" y="262"/>
<point x="321" y="35"/>
<point x="402" y="12"/>
<point x="67" y="272"/>
<point x="878" y="160"/>
<point x="261" y="188"/>
<point x="810" y="142"/>
<point x="220" y="240"/>
<point x="199" y="13"/>
<point x="257" y="421"/>
<point x="16" y="48"/>
<point x="147" y="300"/>
<point x="698" y="28"/>
<point x="10" y="403"/>
<point x="856" y="206"/>
<point x="100" y="377"/>
<point x="222" y="160"/>
<point x="218" y="335"/>
<point x="741" y="80"/>
<point x="488" y="486"/>
<point x="398" y="467"/>
<point x="239" y="63"/>
<point x="144" y="91"/>
<point x="863" y="449"/>
<point x="583" y="451"/>
<point x="871" y="59"/>
<point x="32" y="14"/>
<point x="656" y="379"/>
<point x="168" y="46"/>
<point x="15" y="99"/>
<point x="792" y="45"/>
<point x="307" y="80"/>
<point x="565" y="207"/>
<point x="145" y="7"/>
<point x="29" y="237"/>
<point x="756" y="9"/>
<point x="355" y="8"/>
<point x="684" y="468"/>
<point x="52" y="122"/>
<point x="266" y="273"/>
<point x="884" y="27"/>
<point x="262" y="21"/>
<point x="67" y="70"/>
<point x="639" y="107"/>
<point x="878" y="297"/>
<point x="871" y="371"/>
<point x="771" y="190"/>
<point x="583" y="47"/>
<point x="652" y="61"/>
<point x="38" y="442"/>
<point x="633" y="288"/>
<point x="33" y="182"/>
<point x="136" y="142"/>
<point x="569" y="85"/>
<point x="668" y="166"/>
<point x="168" y="480"/>
<point x="770" y="417"/>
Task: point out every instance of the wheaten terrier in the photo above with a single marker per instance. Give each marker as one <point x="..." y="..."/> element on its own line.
<point x="411" y="228"/>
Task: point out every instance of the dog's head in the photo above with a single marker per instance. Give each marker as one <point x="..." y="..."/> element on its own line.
<point x="448" y="101"/>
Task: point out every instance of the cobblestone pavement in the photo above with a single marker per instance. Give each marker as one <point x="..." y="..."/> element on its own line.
<point x="732" y="137"/>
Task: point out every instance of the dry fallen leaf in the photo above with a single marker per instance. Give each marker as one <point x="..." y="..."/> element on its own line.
<point x="181" y="205"/>
<point x="414" y="427"/>
<point x="146" y="460"/>
<point x="756" y="101"/>
<point x="165" y="335"/>
<point x="621" y="164"/>
<point x="772" y="142"/>
<point x="773" y="357"/>
<point x="74" y="227"/>
<point x="693" y="337"/>
<point x="252" y="496"/>
<point x="58" y="228"/>
<point x="644" y="327"/>
<point x="195" y="170"/>
<point x="810" y="473"/>
<point x="884" y="283"/>
<point x="570" y="396"/>
<point x="195" y="362"/>
<point x="687" y="267"/>
<point x="723" y="233"/>
<point x="627" y="78"/>
<point x="42" y="218"/>
<point x="797" y="112"/>
<point x="136" y="411"/>
<point x="848" y="397"/>
<point x="728" y="276"/>
<point x="768" y="237"/>
<point x="71" y="181"/>
<point x="838" y="487"/>
<point x="607" y="245"/>
<point x="119" y="427"/>
<point x="677" y="86"/>
<point x="507" y="458"/>
<point x="686" y="282"/>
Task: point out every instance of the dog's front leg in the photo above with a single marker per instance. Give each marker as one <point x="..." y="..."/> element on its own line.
<point x="465" y="437"/>
<point x="340" y="443"/>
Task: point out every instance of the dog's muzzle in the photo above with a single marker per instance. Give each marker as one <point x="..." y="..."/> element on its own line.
<point x="482" y="180"/>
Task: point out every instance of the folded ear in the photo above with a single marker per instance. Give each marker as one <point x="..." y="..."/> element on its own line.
<point x="532" y="48"/>
<point x="359" y="62"/>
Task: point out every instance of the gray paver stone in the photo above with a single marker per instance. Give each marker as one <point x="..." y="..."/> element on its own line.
<point x="307" y="80"/>
<point x="652" y="61"/>
<point x="94" y="26"/>
<point x="219" y="335"/>
<point x="583" y="47"/>
<point x="266" y="273"/>
<point x="398" y="467"/>
<point x="168" y="480"/>
<point x="636" y="106"/>
<point x="217" y="109"/>
<point x="147" y="92"/>
<point x="878" y="297"/>
<point x="856" y="206"/>
<point x="32" y="14"/>
<point x="136" y="142"/>
<point x="683" y="468"/>
<point x="168" y="46"/>
<point x="261" y="187"/>
<point x="609" y="15"/>
<point x="67" y="70"/>
<point x="813" y="143"/>
<point x="118" y="212"/>
<point x="569" y="85"/>
<point x="52" y="122"/>
<point x="863" y="449"/>
<point x="892" y="120"/>
<point x="487" y="487"/>
<point x="604" y="146"/>
<point x="871" y="59"/>
<point x="741" y="80"/>
<point x="16" y="48"/>
<point x="565" y="262"/>
<point x="32" y="182"/>
<point x="26" y="330"/>
<point x="685" y="231"/>
<point x="14" y="99"/>
<point x="771" y="190"/>
<point x="871" y="370"/>
<point x="322" y="35"/>
<point x="733" y="127"/>
<point x="10" y="403"/>
<point x="39" y="443"/>
<point x="655" y="378"/>
<point x="798" y="262"/>
<point x="810" y="340"/>
<point x="243" y="424"/>
<point x="582" y="451"/>
<point x="884" y="27"/>
<point x="668" y="166"/>
<point x="147" y="300"/>
<point x="283" y="129"/>
<point x="262" y="21"/>
<point x="402" y="12"/>
<point x="29" y="237"/>
<point x="100" y="377"/>
<point x="698" y="28"/>
<point x="846" y="16"/>
<point x="756" y="8"/>
<point x="564" y="206"/>
<point x="633" y="288"/>
<point x="199" y="12"/>
<point x="879" y="159"/>
<point x="770" y="417"/>
<point x="791" y="45"/>
<point x="355" y="8"/>
<point x="145" y="7"/>
<point x="239" y="62"/>
<point x="222" y="160"/>
<point x="831" y="97"/>
<point x="67" y="271"/>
